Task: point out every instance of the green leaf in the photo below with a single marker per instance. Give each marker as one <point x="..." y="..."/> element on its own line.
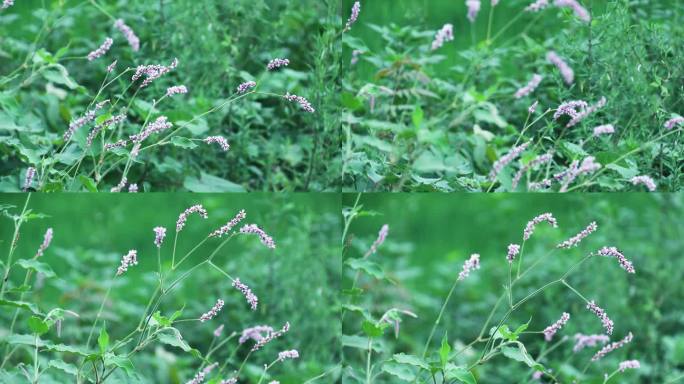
<point x="103" y="340"/>
<point x="209" y="183"/>
<point x="459" y="373"/>
<point x="59" y="75"/>
<point x="37" y="266"/>
<point x="417" y="116"/>
<point x="24" y="340"/>
<point x="122" y="362"/>
<point x="519" y="353"/>
<point x="366" y="266"/>
<point x="183" y="142"/>
<point x="444" y="351"/>
<point x="37" y="325"/>
<point x="20" y="304"/>
<point x="401" y="371"/>
<point x="66" y="367"/>
<point x="88" y="183"/>
<point x="413" y="360"/>
<point x="67" y="349"/>
<point x="175" y="339"/>
<point x="359" y="342"/>
<point x="371" y="329"/>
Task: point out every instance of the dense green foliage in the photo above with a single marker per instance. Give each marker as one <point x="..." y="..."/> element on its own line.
<point x="46" y="82"/>
<point x="418" y="119"/>
<point x="79" y="267"/>
<point x="431" y="236"/>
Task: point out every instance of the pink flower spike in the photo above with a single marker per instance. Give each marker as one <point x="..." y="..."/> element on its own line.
<point x="159" y="235"/>
<point x="645" y="181"/>
<point x="218" y="331"/>
<point x="112" y="66"/>
<point x="303" y="103"/>
<point x="471" y="264"/>
<point x="270" y="336"/>
<point x="6" y="4"/>
<point x="503" y="161"/>
<point x="99" y="52"/>
<point x="537" y="6"/>
<point x="576" y="7"/>
<point x="612" y="346"/>
<point x="213" y="311"/>
<point x="47" y="239"/>
<point x="28" y="178"/>
<point x="128" y="33"/>
<point x="224" y="230"/>
<point x="601" y="314"/>
<point x="220" y="140"/>
<point x="622" y="260"/>
<point x="251" y="298"/>
<point x="277" y="63"/>
<point x="183" y="217"/>
<point x="263" y="236"/>
<point x="629" y="364"/>
<point x="674" y="122"/>
<point x="530" y="87"/>
<point x="246" y="86"/>
<point x="291" y="354"/>
<point x="565" y="70"/>
<point x="607" y="129"/>
<point x="513" y="251"/>
<point x="443" y="35"/>
<point x="583" y="341"/>
<point x="129" y="259"/>
<point x="176" y="90"/>
<point x="553" y="328"/>
<point x="531" y="225"/>
<point x="473" y="9"/>
<point x="382" y="235"/>
<point x="575" y="240"/>
<point x="356" y="9"/>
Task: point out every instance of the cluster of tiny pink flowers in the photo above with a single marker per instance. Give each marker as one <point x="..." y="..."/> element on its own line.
<point x="583" y="341"/>
<point x="101" y="50"/>
<point x="200" y="376"/>
<point x="622" y="260"/>
<point x="128" y="33"/>
<point x="612" y="346"/>
<point x="544" y="184"/>
<point x="176" y="90"/>
<point x="565" y="70"/>
<point x="83" y="120"/>
<point x="545" y="158"/>
<point x="213" y="311"/>
<point x="570" y="108"/>
<point x="159" y="235"/>
<point x="514" y="153"/>
<point x="28" y="179"/>
<point x="291" y="354"/>
<point x="355" y="56"/>
<point x="263" y="236"/>
<point x="471" y="264"/>
<point x="220" y="140"/>
<point x="530" y="87"/>
<point x="98" y="128"/>
<point x="277" y="63"/>
<point x="47" y="239"/>
<point x="112" y="66"/>
<point x="607" y="129"/>
<point x="218" y="331"/>
<point x="629" y="364"/>
<point x="586" y="112"/>
<point x="513" y="251"/>
<point x="251" y="298"/>
<point x="356" y="9"/>
<point x="575" y="240"/>
<point x="544" y="217"/>
<point x="575" y="170"/>
<point x="602" y="315"/>
<point x="443" y="35"/>
<point x="533" y="107"/>
<point x="133" y="188"/>
<point x="152" y="72"/>
<point x="160" y="124"/>
<point x="118" y="144"/>
<point x="129" y="259"/>
<point x="183" y="217"/>
<point x="579" y="10"/>
<point x="232" y="380"/>
<point x="6" y="4"/>
<point x="270" y="336"/>
<point x="645" y="181"/>
<point x="256" y="333"/>
<point x="303" y="103"/>
<point x="537" y="6"/>
<point x="674" y="122"/>
<point x="244" y="87"/>
<point x="382" y="235"/>
<point x="230" y="224"/>
<point x="119" y="187"/>
<point x="473" y="9"/>
<point x="553" y="328"/>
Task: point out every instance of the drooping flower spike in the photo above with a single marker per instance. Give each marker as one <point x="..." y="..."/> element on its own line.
<point x="114" y="120"/>
<point x="224" y="230"/>
<point x="152" y="72"/>
<point x="271" y="336"/>
<point x="674" y="122"/>
<point x="646" y="181"/>
<point x="303" y="103"/>
<point x="159" y="125"/>
<point x="551" y="330"/>
<point x="176" y="90"/>
<point x="382" y="235"/>
<point x="446" y="33"/>
<point x="291" y="354"/>
<point x="532" y="224"/>
<point x="220" y="140"/>
<point x="246" y="86"/>
<point x="529" y="87"/>
<point x="183" y="217"/>
<point x="251" y="298"/>
<point x="128" y="33"/>
<point x="602" y="315"/>
<point x="622" y="260"/>
<point x="277" y="63"/>
<point x="503" y="161"/>
<point x="263" y="236"/>
<point x="256" y="333"/>
<point x="101" y="50"/>
<point x="607" y="129"/>
<point x="565" y="70"/>
<point x="583" y="341"/>
<point x="81" y="121"/>
<point x="576" y="7"/>
<point x="612" y="346"/>
<point x="629" y="364"/>
<point x="539" y="160"/>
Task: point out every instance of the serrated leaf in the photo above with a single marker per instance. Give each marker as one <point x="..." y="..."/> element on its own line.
<point x="37" y="266"/>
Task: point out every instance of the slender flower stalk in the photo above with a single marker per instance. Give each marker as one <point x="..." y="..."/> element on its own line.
<point x="565" y="70"/>
<point x="28" y="178"/>
<point x="159" y="235"/>
<point x="646" y="181"/>
<point x="47" y="239"/>
<point x="129" y="259"/>
<point x="471" y="264"/>
<point x="532" y="224"/>
<point x="277" y="63"/>
<point x="183" y="217"/>
<point x="81" y="121"/>
<point x="105" y="124"/>
<point x="356" y="9"/>
<point x="601" y="314"/>
<point x="224" y="230"/>
<point x="575" y="240"/>
<point x="251" y="298"/>
<point x="622" y="260"/>
<point x="551" y="330"/>
<point x="612" y="346"/>
<point x="128" y="33"/>
<point x="584" y="341"/>
<point x="502" y="162"/>
<point x="101" y="50"/>
<point x="213" y="311"/>
<point x="445" y="34"/>
<point x="263" y="236"/>
<point x="529" y="87"/>
<point x="220" y="140"/>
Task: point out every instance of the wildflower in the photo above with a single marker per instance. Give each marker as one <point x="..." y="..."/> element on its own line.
<point x="582" y="341"/>
<point x="47" y="239"/>
<point x="579" y="10"/>
<point x="160" y="124"/>
<point x="356" y="9"/>
<point x="535" y="186"/>
<point x="118" y="144"/>
<point x="99" y="52"/>
<point x="629" y="364"/>
<point x="152" y="72"/>
<point x="382" y="235"/>
<point x="128" y="33"/>
<point x="601" y="314"/>
<point x="159" y="235"/>
<point x="277" y="63"/>
<point x="586" y="112"/>
<point x="531" y="225"/>
<point x="575" y="170"/>
<point x="644" y="180"/>
<point x="263" y="236"/>
<point x="537" y="6"/>
<point x="110" y="67"/>
<point x="506" y="159"/>
<point x="28" y="179"/>
<point x="536" y="161"/>
<point x="213" y="311"/>
<point x="83" y="120"/>
<point x="133" y="188"/>
<point x="570" y="108"/>
<point x="129" y="259"/>
<point x="537" y="375"/>
<point x="573" y="241"/>
<point x="135" y="150"/>
<point x="220" y="140"/>
<point x="607" y="129"/>
<point x="111" y="121"/>
<point x="176" y="90"/>
<point x="533" y="107"/>
<point x="291" y="354"/>
<point x="218" y="331"/>
<point x="232" y="380"/>
<point x="513" y="251"/>
<point x="119" y="187"/>
<point x="183" y="217"/>
<point x="6" y="4"/>
<point x="247" y="292"/>
<point x="355" y="56"/>
<point x="244" y="87"/>
<point x="274" y="382"/>
<point x="443" y="35"/>
<point x="553" y="328"/>
<point x="530" y="87"/>
<point x="674" y="122"/>
<point x="230" y="225"/>
<point x="304" y="103"/>
<point x="612" y="346"/>
<point x="256" y="333"/>
<point x="473" y="9"/>
<point x="271" y="336"/>
<point x="565" y="70"/>
<point x="471" y="264"/>
<point x="622" y="260"/>
<point x="201" y="375"/>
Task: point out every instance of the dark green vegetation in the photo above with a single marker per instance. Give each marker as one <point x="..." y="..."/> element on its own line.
<point x="46" y="83"/>
<point x="297" y="282"/>
<point x="429" y="239"/>
<point x="422" y="120"/>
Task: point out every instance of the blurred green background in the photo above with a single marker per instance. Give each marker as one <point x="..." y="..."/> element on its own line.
<point x="430" y="236"/>
<point x="297" y="282"/>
